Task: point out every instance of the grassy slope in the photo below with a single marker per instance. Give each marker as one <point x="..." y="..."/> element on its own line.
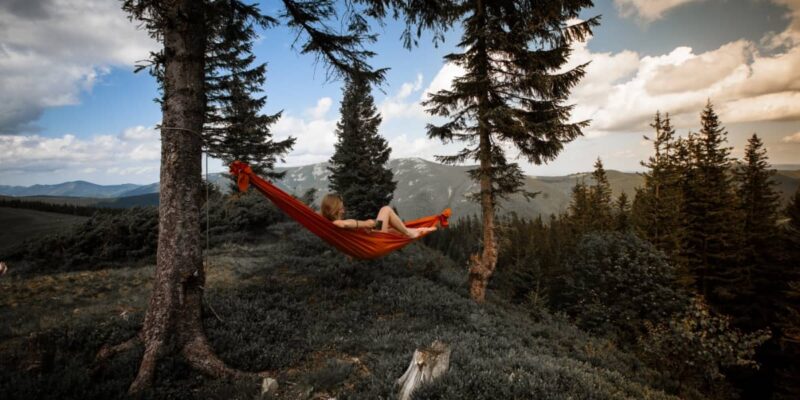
<point x="21" y="224"/>
<point x="325" y="326"/>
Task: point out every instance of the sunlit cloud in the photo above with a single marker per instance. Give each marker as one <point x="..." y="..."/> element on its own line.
<point x="648" y="10"/>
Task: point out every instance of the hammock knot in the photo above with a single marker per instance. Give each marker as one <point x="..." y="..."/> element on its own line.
<point x="443" y="217"/>
<point x="242" y="172"/>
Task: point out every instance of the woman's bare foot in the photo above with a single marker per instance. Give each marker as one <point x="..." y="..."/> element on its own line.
<point x="415" y="232"/>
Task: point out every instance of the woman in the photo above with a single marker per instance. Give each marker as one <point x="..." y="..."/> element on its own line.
<point x="332" y="208"/>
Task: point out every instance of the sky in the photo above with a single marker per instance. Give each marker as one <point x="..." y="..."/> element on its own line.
<point x="71" y="107"/>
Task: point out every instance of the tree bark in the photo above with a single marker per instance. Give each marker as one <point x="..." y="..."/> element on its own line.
<point x="174" y="313"/>
<point x="482" y="267"/>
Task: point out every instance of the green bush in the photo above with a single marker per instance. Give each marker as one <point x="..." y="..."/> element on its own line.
<point x="104" y="240"/>
<point x="615" y="282"/>
<point x="130" y="236"/>
<point x="693" y="348"/>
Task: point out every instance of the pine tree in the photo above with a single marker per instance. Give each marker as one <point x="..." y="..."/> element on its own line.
<point x="713" y="232"/>
<point x="358" y="166"/>
<point x="759" y="202"/>
<point x="622" y="213"/>
<point x="579" y="211"/>
<point x="510" y="93"/>
<point x="235" y="128"/>
<point x="657" y="205"/>
<point x="600" y="214"/>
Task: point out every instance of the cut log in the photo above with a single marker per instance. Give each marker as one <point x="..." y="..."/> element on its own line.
<point x="268" y="387"/>
<point x="427" y="364"/>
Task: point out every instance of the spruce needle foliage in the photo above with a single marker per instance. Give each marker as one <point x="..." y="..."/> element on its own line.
<point x="512" y="93"/>
<point x="657" y="205"/>
<point x="358" y="166"/>
<point x="235" y="128"/>
<point x="758" y="201"/>
<point x="713" y="236"/>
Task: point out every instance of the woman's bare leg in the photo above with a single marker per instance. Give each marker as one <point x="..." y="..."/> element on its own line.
<point x="390" y="218"/>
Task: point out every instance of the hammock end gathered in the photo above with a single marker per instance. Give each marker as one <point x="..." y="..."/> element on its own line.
<point x="444" y="217"/>
<point x="241" y="170"/>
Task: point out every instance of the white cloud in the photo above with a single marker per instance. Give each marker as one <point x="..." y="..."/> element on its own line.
<point x="321" y="109"/>
<point x="791" y="35"/>
<point x="52" y="50"/>
<point x="621" y="91"/>
<point x="140" y="133"/>
<point x="443" y="79"/>
<point x="647" y="10"/>
<point x="315" y="137"/>
<point x="403" y="105"/>
<point x="795" y="138"/>
<point x="110" y="154"/>
<point x="399" y="105"/>
<point x="696" y="72"/>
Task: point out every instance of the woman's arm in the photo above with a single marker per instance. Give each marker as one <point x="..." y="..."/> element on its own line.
<point x="354" y="223"/>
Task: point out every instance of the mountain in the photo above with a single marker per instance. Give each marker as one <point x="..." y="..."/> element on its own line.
<point x="142" y="200"/>
<point x="423" y="187"/>
<point x="71" y="189"/>
<point x="146" y="189"/>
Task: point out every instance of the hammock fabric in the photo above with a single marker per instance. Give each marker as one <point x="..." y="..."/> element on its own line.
<point x="360" y="243"/>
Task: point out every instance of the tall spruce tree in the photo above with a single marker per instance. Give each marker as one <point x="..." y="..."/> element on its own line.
<point x="657" y="205"/>
<point x="358" y="165"/>
<point x="713" y="233"/>
<point x="579" y="210"/>
<point x="600" y="213"/>
<point x="766" y="297"/>
<point x="173" y="321"/>
<point x="512" y="92"/>
<point x="622" y="213"/>
<point x="759" y="202"/>
<point x="235" y="128"/>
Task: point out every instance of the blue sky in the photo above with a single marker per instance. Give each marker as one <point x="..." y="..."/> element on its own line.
<point x="71" y="108"/>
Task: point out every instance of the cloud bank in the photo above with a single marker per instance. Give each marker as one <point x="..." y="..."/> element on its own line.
<point x="52" y="50"/>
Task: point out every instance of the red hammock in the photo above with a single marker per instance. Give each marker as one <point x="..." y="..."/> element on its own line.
<point x="359" y="243"/>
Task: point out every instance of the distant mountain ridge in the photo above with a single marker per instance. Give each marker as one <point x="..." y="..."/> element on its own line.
<point x="423" y="188"/>
<point x="72" y="189"/>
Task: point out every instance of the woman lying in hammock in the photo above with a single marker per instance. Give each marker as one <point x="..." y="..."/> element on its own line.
<point x="332" y="208"/>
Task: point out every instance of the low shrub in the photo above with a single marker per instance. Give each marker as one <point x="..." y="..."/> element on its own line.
<point x="615" y="282"/>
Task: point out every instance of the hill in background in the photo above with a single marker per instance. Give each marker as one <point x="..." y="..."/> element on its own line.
<point x="423" y="188"/>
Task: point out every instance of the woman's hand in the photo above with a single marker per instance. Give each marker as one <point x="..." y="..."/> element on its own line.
<point x="370" y="223"/>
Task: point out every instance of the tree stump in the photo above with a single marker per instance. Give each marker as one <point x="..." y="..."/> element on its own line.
<point x="427" y="364"/>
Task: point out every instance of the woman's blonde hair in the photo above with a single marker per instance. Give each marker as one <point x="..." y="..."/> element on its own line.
<point x="332" y="206"/>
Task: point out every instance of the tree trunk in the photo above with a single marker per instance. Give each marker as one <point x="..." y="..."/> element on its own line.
<point x="174" y="313"/>
<point x="482" y="267"/>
